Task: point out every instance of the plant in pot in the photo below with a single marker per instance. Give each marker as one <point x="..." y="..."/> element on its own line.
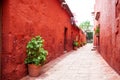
<point x="36" y="55"/>
<point x="75" y="45"/>
<point x="84" y="43"/>
<point x="97" y="31"/>
<point x="78" y="43"/>
<point x="81" y="44"/>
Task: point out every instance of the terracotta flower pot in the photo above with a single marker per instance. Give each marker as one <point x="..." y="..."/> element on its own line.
<point x="97" y="34"/>
<point x="75" y="47"/>
<point x="34" y="70"/>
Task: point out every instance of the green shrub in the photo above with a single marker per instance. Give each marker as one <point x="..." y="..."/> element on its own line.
<point x="75" y="43"/>
<point x="97" y="31"/>
<point x="36" y="54"/>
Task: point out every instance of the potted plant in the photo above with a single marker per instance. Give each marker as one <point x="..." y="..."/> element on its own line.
<point x="75" y="45"/>
<point x="79" y="44"/>
<point x="84" y="43"/>
<point x="97" y="31"/>
<point x="36" y="55"/>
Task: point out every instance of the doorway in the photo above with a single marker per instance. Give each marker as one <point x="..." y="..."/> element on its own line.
<point x="65" y="38"/>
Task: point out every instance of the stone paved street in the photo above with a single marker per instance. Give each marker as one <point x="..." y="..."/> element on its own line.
<point x="82" y="64"/>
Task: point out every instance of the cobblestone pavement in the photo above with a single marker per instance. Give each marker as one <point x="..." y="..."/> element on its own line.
<point x="82" y="64"/>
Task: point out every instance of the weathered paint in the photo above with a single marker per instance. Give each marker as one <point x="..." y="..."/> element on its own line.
<point x="23" y="19"/>
<point x="109" y="31"/>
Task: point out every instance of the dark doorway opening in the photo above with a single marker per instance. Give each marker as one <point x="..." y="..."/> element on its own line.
<point x="0" y="34"/>
<point x="99" y="43"/>
<point x="65" y="39"/>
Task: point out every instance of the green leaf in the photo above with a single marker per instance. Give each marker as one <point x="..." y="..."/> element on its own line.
<point x="36" y="54"/>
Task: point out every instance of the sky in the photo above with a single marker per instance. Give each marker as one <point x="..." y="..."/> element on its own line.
<point x="81" y="9"/>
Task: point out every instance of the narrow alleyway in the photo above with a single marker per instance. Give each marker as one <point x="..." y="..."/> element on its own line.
<point x="82" y="64"/>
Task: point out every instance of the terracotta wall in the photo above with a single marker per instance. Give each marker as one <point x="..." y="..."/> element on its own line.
<point x="79" y="34"/>
<point x="109" y="31"/>
<point x="23" y="19"/>
<point x="82" y="36"/>
<point x="75" y="32"/>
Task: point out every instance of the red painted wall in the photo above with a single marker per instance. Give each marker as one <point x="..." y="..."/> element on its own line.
<point x="23" y="19"/>
<point x="78" y="34"/>
<point x="109" y="31"/>
<point x="82" y="36"/>
<point x="75" y="32"/>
